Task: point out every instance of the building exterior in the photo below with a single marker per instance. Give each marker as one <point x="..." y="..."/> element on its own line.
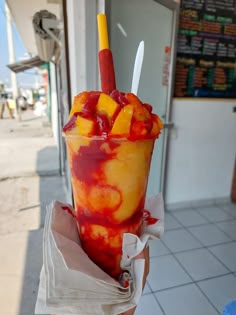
<point x="194" y="159"/>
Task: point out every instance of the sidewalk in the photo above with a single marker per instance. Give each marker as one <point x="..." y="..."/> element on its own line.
<point x="29" y="180"/>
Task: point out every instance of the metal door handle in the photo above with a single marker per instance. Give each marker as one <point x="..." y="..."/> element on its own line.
<point x="169" y="125"/>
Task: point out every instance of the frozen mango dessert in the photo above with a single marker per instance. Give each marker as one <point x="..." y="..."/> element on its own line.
<point x="110" y="139"/>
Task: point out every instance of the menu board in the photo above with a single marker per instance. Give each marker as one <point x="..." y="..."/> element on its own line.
<point x="206" y="50"/>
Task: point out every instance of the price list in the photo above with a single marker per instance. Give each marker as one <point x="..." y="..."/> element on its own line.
<point x="206" y="49"/>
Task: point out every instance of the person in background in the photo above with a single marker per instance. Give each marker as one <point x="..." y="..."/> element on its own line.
<point x="3" y="105"/>
<point x="21" y="102"/>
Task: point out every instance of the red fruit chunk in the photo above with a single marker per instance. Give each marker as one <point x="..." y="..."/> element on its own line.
<point x="103" y="124"/>
<point x="148" y="107"/>
<point x="95" y="93"/>
<point x="141" y="113"/>
<point x="115" y="95"/>
<point x="71" y="123"/>
<point x="122" y="100"/>
<point x="119" y="97"/>
<point x="157" y="125"/>
<point x="138" y="129"/>
<point x="89" y="108"/>
<point x="133" y="99"/>
<point x="148" y="124"/>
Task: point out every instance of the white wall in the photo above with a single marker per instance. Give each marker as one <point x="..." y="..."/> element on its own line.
<point x="54" y="103"/>
<point x="202" y="150"/>
<point x="82" y="36"/>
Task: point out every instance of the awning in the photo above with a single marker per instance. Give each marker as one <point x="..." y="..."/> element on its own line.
<point x="22" y="12"/>
<point x="25" y="64"/>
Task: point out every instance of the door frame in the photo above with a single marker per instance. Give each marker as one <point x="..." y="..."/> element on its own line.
<point x="171" y="4"/>
<point x="174" y="6"/>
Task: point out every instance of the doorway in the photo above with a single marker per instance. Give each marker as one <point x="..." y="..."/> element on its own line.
<point x="156" y="23"/>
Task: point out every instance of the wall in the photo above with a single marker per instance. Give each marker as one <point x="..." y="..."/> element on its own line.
<point x="54" y="103"/>
<point x="124" y="47"/>
<point x="82" y="36"/>
<point x="202" y="149"/>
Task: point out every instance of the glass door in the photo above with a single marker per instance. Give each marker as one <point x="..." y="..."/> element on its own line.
<point x="154" y="22"/>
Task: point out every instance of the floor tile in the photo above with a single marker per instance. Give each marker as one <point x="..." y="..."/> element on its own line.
<point x="220" y="291"/>
<point x="200" y="264"/>
<point x="230" y="208"/>
<point x="189" y="217"/>
<point x="179" y="240"/>
<point x="209" y="234"/>
<point x="222" y="201"/>
<point x="148" y="305"/>
<point x="170" y="222"/>
<point x="185" y="300"/>
<point x="166" y="272"/>
<point x="229" y="228"/>
<point x="179" y="206"/>
<point x="157" y="248"/>
<point x="226" y="254"/>
<point x="146" y="289"/>
<point x="203" y="203"/>
<point x="214" y="214"/>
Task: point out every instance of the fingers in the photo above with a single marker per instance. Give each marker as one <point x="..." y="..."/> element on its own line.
<point x="129" y="312"/>
<point x="144" y="255"/>
<point x="146" y="268"/>
<point x="147" y="260"/>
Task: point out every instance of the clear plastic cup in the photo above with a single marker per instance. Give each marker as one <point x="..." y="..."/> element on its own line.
<point x="109" y="181"/>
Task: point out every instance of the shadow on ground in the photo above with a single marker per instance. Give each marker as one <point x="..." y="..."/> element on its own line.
<point x="51" y="187"/>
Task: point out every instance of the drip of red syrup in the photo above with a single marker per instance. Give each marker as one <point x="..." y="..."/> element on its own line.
<point x="148" y="219"/>
<point x="89" y="159"/>
<point x="66" y="208"/>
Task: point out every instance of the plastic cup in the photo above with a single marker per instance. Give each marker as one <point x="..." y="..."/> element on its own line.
<point x="109" y="181"/>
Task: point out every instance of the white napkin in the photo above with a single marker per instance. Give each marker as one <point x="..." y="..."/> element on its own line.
<point x="70" y="283"/>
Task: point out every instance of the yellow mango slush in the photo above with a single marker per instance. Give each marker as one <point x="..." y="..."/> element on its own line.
<point x="109" y="176"/>
<point x="109" y="181"/>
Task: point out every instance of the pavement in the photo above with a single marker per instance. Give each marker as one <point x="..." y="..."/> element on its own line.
<point x="29" y="180"/>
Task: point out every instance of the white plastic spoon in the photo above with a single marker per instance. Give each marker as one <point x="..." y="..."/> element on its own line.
<point x="137" y="68"/>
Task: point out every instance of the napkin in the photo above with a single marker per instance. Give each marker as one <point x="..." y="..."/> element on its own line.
<point x="70" y="283"/>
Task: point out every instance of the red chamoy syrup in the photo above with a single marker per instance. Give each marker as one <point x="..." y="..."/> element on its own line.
<point x="148" y="219"/>
<point x="110" y="152"/>
<point x="67" y="209"/>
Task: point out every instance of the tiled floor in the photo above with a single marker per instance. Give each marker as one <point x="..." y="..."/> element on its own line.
<point x="193" y="267"/>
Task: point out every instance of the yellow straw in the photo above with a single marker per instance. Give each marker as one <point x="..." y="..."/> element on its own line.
<point x="102" y="31"/>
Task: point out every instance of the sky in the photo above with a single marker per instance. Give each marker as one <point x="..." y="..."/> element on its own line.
<point x="23" y="79"/>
